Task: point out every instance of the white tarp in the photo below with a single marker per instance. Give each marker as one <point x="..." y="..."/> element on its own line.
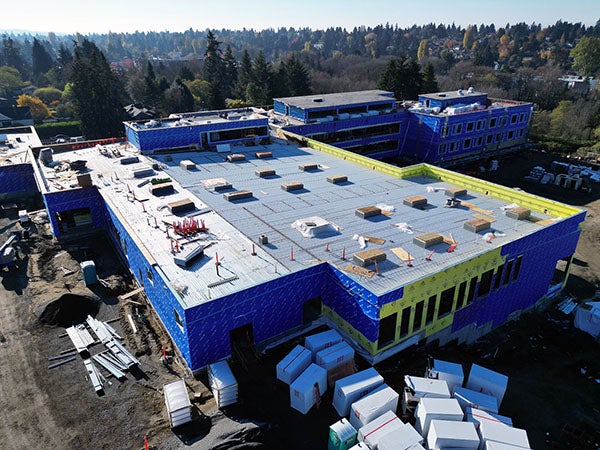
<point x="467" y="397"/>
<point x="370" y="407"/>
<point x="353" y="387"/>
<point x="478" y="415"/>
<point x="488" y="382"/>
<point x="319" y="341"/>
<point x="295" y="362"/>
<point x="588" y="320"/>
<point x="429" y="409"/>
<point x="179" y="407"/>
<point x="451" y="372"/>
<point x="333" y="356"/>
<point x="405" y="438"/>
<point x="303" y="394"/>
<point x="498" y="432"/>
<point x="222" y="383"/>
<point x="450" y="434"/>
<point x="427" y="387"/>
<point x="375" y="430"/>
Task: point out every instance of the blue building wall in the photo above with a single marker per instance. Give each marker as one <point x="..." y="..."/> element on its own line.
<point x="540" y="251"/>
<point x="61" y="201"/>
<point x="272" y="308"/>
<point x="163" y="299"/>
<point x="17" y="179"/>
<point x="150" y="139"/>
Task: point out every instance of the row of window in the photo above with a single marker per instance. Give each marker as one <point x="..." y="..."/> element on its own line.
<point x="424" y="312"/>
<point x="477" y="142"/>
<point x="478" y="125"/>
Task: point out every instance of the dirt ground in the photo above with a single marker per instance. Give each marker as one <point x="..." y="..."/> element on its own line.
<point x="553" y="368"/>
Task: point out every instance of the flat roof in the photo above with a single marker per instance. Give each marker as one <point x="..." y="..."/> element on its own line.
<point x="338" y="99"/>
<point x="14" y="143"/>
<point x="271" y="211"/>
<point x="452" y="94"/>
<point x="187" y="120"/>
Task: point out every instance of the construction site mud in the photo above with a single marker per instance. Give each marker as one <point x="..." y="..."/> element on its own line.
<point x="553" y="368"/>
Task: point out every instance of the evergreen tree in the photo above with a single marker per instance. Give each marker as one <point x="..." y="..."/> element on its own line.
<point x="185" y="73"/>
<point x="96" y="93"/>
<point x="230" y="72"/>
<point x="41" y="61"/>
<point x="10" y="55"/>
<point x="297" y="78"/>
<point x="258" y="91"/>
<point x="152" y="92"/>
<point x="429" y="83"/>
<point x="484" y="55"/>
<point x="244" y="75"/>
<point x="178" y="98"/>
<point x="213" y="72"/>
<point x="402" y="77"/>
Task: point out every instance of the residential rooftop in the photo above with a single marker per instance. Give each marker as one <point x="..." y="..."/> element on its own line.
<point x="328" y="209"/>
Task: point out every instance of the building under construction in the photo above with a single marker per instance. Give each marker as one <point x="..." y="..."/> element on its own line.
<point x="443" y="128"/>
<point x="257" y="242"/>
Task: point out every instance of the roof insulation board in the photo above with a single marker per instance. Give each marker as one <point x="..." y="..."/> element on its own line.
<point x="233" y="226"/>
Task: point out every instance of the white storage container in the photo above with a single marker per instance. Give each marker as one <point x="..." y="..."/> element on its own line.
<point x="451" y="434"/>
<point x="342" y="435"/>
<point x="467" y="397"/>
<point x="451" y="372"/>
<point x="373" y="405"/>
<point x="404" y="438"/>
<point x="353" y="387"/>
<point x="222" y="383"/>
<point x="303" y="393"/>
<point x="179" y="407"/>
<point x="319" y="341"/>
<point x="488" y="382"/>
<point x="427" y="387"/>
<point x="498" y="432"/>
<point x="296" y="362"/>
<point x="375" y="430"/>
<point x="478" y="415"/>
<point x="429" y="409"/>
<point x="333" y="356"/>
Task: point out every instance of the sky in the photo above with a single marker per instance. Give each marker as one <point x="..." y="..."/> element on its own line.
<point x="101" y="16"/>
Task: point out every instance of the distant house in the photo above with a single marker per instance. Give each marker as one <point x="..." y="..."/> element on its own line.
<point x="579" y="83"/>
<point x="15" y="116"/>
<point x="136" y="111"/>
<point x="29" y="90"/>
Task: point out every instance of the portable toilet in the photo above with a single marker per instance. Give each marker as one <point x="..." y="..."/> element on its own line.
<point x="342" y="435"/>
<point x="88" y="268"/>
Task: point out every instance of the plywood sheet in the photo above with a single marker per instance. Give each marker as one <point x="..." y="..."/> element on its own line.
<point x="351" y="268"/>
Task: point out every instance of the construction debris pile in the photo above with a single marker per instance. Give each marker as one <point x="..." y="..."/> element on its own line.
<point x="570" y="176"/>
<point x="116" y="359"/>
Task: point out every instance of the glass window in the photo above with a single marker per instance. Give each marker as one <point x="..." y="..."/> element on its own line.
<point x="511" y="134"/>
<point x="467" y="143"/>
<point x="489" y="139"/>
<point x="493" y="121"/>
<point x="470" y="126"/>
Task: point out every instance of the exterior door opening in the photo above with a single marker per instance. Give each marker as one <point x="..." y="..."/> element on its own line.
<point x="312" y="309"/>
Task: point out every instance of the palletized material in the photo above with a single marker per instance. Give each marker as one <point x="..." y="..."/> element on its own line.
<point x="478" y="415"/>
<point x="370" y="407"/>
<point x="303" y="391"/>
<point x="467" y="397"/>
<point x="222" y="383"/>
<point x="360" y="446"/>
<point x="353" y="387"/>
<point x="451" y="434"/>
<point x="333" y="356"/>
<point x="342" y="435"/>
<point x="426" y="387"/>
<point x="499" y="432"/>
<point x="450" y="372"/>
<point x="405" y="438"/>
<point x="491" y="445"/>
<point x="319" y="341"/>
<point x="372" y="432"/>
<point x="487" y="381"/>
<point x="179" y="407"/>
<point x="295" y="362"/>
<point x="429" y="409"/>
